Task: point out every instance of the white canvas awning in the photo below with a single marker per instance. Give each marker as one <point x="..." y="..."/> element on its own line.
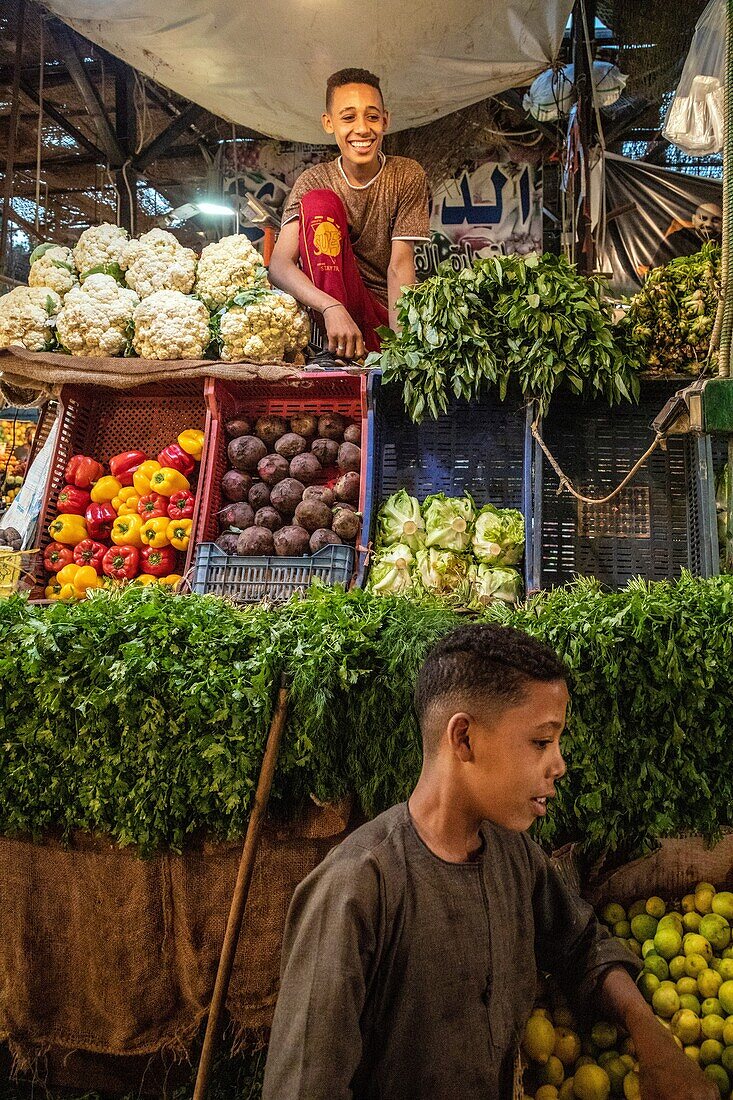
<point x="264" y="65"/>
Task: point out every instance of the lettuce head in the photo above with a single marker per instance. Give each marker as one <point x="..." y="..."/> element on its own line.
<point x="498" y="536"/>
<point x="391" y="571"/>
<point x="400" y="521"/>
<point x="440" y="571"/>
<point x="449" y="522"/>
<point x="497" y="584"/>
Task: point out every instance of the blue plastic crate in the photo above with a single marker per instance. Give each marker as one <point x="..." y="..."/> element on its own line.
<point x="480" y="447"/>
<point x="661" y="523"/>
<point x="252" y="579"/>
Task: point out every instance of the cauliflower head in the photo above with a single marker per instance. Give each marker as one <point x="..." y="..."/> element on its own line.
<point x="96" y="317"/>
<point x="296" y="320"/>
<point x="260" y="326"/>
<point x="157" y="261"/>
<point x="227" y="266"/>
<point x="171" y="325"/>
<point x="27" y="316"/>
<point x="53" y="267"/>
<point x="101" y="245"/>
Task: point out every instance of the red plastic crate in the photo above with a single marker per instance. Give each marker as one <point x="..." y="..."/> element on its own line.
<point x="314" y="392"/>
<point x="102" y="422"/>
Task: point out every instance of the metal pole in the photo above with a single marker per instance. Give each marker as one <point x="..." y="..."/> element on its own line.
<point x="583" y="52"/>
<point x="12" y="136"/>
<point x="125" y="131"/>
<point x="241" y="891"/>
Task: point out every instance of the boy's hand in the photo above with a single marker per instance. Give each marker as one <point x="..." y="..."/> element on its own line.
<point x="344" y="335"/>
<point x="672" y="1073"/>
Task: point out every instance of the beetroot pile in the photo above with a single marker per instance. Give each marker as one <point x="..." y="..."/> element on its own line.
<point x="293" y="487"/>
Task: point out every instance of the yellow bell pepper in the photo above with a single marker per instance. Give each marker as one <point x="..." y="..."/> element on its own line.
<point x="172" y="580"/>
<point x="126" y="530"/>
<point x="52" y="590"/>
<point x="105" y="490"/>
<point x="178" y="533"/>
<point x="67" y="575"/>
<point x="141" y="477"/>
<point x="68" y="592"/>
<point x="143" y="579"/>
<point x="168" y="481"/>
<point x="192" y="442"/>
<point x="86" y="578"/>
<point x="68" y="529"/>
<point x="129" y="506"/>
<point x="123" y="496"/>
<point x="154" y="532"/>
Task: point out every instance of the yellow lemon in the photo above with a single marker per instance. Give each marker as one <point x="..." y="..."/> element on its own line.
<point x="695" y="944"/>
<point x="546" y="1092"/>
<point x="686" y="1026"/>
<point x="539" y="1039"/>
<point x="708" y="982"/>
<point x="655" y="907"/>
<point x="723" y="904"/>
<point x="693" y="1052"/>
<point x="688" y="903"/>
<point x="725" y="996"/>
<point x="719" y="1077"/>
<point x="668" y="943"/>
<point x="567" y="1046"/>
<point x="728" y="1032"/>
<point x="591" y="1083"/>
<point x="666" y="1001"/>
<point x="648" y="984"/>
<point x="691" y="922"/>
<point x="695" y="965"/>
<point x="657" y="966"/>
<point x="566" y="1090"/>
<point x="710" y="1051"/>
<point x="687" y="1000"/>
<point x="704" y="894"/>
<point x="712" y="1027"/>
<point x="632" y="1088"/>
<point x="644" y="927"/>
<point x="687" y="985"/>
<point x="716" y="931"/>
<point x="711" y="1007"/>
<point x="552" y="1073"/>
<point x="677" y="968"/>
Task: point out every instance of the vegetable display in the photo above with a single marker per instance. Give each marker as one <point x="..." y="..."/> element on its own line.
<point x="672" y="316"/>
<point x="532" y="321"/>
<point x="150" y="297"/>
<point x="105" y="526"/>
<point x="447" y="548"/>
<point x="290" y="492"/>
<point x="160" y="706"/>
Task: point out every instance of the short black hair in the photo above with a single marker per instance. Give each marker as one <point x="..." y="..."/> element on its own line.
<point x="350" y="76"/>
<point x="495" y="661"/>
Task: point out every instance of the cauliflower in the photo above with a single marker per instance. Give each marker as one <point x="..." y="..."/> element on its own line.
<point x="156" y="261"/>
<point x="258" y="326"/>
<point x="27" y="316"/>
<point x="95" y="318"/>
<point x="101" y="246"/>
<point x="297" y="322"/>
<point x="171" y="325"/>
<point x="227" y="266"/>
<point x="53" y="265"/>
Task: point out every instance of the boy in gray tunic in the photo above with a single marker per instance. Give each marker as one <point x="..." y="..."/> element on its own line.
<point x="410" y="954"/>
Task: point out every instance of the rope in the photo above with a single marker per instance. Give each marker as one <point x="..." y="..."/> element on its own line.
<point x="565" y="482"/>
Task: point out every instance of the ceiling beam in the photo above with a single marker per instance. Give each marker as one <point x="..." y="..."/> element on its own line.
<point x="44" y="234"/>
<point x="76" y="160"/>
<point x="167" y="137"/>
<point x="61" y="120"/>
<point x="67" y="44"/>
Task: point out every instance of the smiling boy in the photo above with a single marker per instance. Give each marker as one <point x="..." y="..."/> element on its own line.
<point x="410" y="954"/>
<point x="349" y="226"/>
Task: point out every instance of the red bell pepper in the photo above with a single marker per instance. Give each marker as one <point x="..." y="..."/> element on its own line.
<point x="100" y="518"/>
<point x="152" y="506"/>
<point x="91" y="553"/>
<point x="176" y="458"/>
<point x="180" y="505"/>
<point x="56" y="556"/>
<point x="123" y="466"/>
<point x="121" y="562"/>
<point x="83" y="471"/>
<point x="157" y="561"/>
<point x="72" y="501"/>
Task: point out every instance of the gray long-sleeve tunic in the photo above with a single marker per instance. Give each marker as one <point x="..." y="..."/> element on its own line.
<point x="405" y="977"/>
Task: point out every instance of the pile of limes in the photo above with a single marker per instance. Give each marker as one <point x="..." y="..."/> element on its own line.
<point x="687" y="978"/>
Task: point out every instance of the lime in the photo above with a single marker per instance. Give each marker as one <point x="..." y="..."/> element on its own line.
<point x="648" y="948"/>
<point x="677" y="967"/>
<point x="728" y="1032"/>
<point x="591" y="1083"/>
<point x="656" y="965"/>
<point x="711" y="1007"/>
<point x="655" y="907"/>
<point x="622" y="929"/>
<point x="695" y="965"/>
<point x="567" y="1046"/>
<point x="695" y="944"/>
<point x="539" y="1038"/>
<point x="708" y="982"/>
<point x="710" y="1051"/>
<point x="693" y="1052"/>
<point x="552" y="1072"/>
<point x="718" y="1075"/>
<point x="704" y="893"/>
<point x="634" y="947"/>
<point x="688" y="903"/>
<point x="726" y="1059"/>
<point x="636" y="908"/>
<point x="613" y="913"/>
<point x="604" y="1035"/>
<point x="687" y="985"/>
<point x="716" y="931"/>
<point x="691" y="922"/>
<point x="712" y="1027"/>
<point x="648" y="984"/>
<point x="723" y="904"/>
<point x="725" y="996"/>
<point x="616" y="1069"/>
<point x="665" y="1001"/>
<point x="566" y="1090"/>
<point x="687" y="1000"/>
<point x="632" y="1088"/>
<point x="644" y="927"/>
<point x="546" y="1092"/>
<point x="725" y="969"/>
<point x="686" y="1026"/>
<point x="668" y="943"/>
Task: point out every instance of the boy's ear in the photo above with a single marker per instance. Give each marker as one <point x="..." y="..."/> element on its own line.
<point x="458" y="736"/>
<point x="386" y="120"/>
<point x="326" y="122"/>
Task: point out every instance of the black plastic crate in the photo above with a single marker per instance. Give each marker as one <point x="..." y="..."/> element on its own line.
<point x="660" y="524"/>
<point x="481" y="448"/>
<point x="252" y="579"/>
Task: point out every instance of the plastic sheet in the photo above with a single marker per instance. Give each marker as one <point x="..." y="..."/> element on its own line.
<point x="696" y="115"/>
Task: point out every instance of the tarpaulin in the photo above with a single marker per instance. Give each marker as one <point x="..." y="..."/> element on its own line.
<point x="654" y="215"/>
<point x="265" y="65"/>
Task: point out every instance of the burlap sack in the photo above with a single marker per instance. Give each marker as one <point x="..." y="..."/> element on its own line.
<point x="101" y="951"/>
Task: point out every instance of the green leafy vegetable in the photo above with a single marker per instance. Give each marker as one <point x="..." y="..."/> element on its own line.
<point x="498" y="536"/>
<point x="441" y="571"/>
<point x="113" y="269"/>
<point x="531" y="321"/>
<point x="400" y="520"/>
<point x="41" y="250"/>
<point x="497" y="583"/>
<point x="448" y="521"/>
<point x="391" y="572"/>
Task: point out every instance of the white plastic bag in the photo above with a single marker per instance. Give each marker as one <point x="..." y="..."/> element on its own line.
<point x="551" y="94"/>
<point x="23" y="513"/>
<point x="695" y="118"/>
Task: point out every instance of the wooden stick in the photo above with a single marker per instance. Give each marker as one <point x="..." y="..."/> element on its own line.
<point x="239" y="899"/>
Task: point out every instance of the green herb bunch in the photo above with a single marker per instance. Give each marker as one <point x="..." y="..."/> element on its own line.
<point x="673" y="314"/>
<point x="529" y="320"/>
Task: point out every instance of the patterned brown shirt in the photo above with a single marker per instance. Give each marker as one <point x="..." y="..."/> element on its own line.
<point x="391" y="207"/>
